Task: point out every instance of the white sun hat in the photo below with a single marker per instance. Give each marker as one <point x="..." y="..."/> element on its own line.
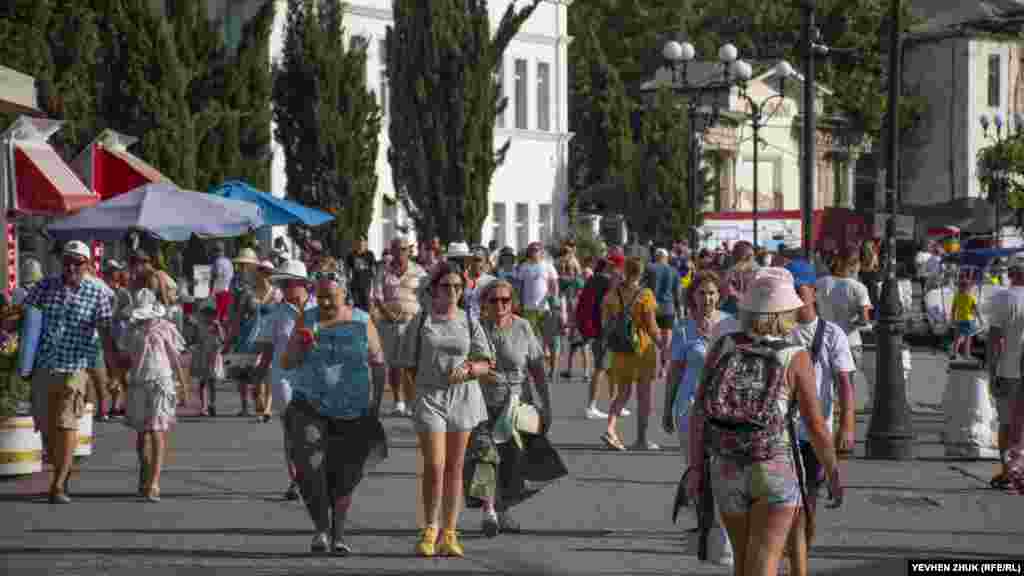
<point x="290" y="270"/>
<point x="146" y="306"/>
<point x="458" y="250"/>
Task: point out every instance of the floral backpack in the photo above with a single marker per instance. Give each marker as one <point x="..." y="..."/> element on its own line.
<point x="742" y="391"/>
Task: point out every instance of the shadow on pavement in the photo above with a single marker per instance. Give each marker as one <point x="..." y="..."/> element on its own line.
<point x="881" y="553"/>
<point x="354" y="531"/>
<point x="168" y="552"/>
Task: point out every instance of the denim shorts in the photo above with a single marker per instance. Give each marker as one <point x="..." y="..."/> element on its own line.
<point x="738" y="485"/>
<point x="965" y="327"/>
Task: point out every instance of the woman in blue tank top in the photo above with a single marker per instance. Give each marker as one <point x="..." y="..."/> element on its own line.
<point x="332" y="420"/>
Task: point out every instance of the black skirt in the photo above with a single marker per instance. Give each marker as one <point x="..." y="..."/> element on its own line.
<point x="342" y="450"/>
<point x="518" y="473"/>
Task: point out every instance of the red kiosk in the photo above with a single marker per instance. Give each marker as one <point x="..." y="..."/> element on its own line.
<point x="35" y="182"/>
<point x="109" y="169"/>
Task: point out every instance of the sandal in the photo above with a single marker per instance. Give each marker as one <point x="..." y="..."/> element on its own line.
<point x="612" y="442"/>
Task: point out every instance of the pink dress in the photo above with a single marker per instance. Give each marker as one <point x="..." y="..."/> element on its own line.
<point x="155" y="348"/>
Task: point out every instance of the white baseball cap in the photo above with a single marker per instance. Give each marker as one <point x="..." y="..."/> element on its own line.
<point x="78" y="248"/>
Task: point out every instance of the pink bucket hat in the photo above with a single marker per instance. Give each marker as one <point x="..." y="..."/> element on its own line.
<point x="771" y="292"/>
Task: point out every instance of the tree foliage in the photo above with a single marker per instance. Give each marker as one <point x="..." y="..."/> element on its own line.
<point x="855" y="69"/>
<point x="444" y="101"/>
<point x="167" y="79"/>
<point x="55" y="41"/>
<point x="328" y="122"/>
<point x="602" y="148"/>
<point x="1001" y="168"/>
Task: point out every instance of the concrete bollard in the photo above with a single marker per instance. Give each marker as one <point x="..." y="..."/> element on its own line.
<point x="971" y="425"/>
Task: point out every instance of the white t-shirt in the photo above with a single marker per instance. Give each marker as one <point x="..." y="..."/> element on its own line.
<point x="533" y="278"/>
<point x="1007" y="313"/>
<point x="841" y="300"/>
<point x="835" y="357"/>
<point x="921" y="262"/>
<point x="223" y="272"/>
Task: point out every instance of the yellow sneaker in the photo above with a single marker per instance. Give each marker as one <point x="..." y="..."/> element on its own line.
<point x="425" y="547"/>
<point x="450" y="544"/>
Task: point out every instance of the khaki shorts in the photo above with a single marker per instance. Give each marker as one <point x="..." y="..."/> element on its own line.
<point x="58" y="397"/>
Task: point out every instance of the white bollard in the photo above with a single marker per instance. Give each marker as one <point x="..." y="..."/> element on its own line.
<point x="85" y="432"/>
<point x="970" y="416"/>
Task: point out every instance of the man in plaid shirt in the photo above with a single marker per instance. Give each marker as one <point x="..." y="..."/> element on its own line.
<point x="74" y="308"/>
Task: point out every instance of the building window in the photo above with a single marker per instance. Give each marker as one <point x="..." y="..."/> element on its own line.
<point x="993" y="80"/>
<point x="232" y="28"/>
<point x="498" y="223"/>
<point x="522" y="226"/>
<point x="543" y="96"/>
<point x="499" y="79"/>
<point x="544" y="223"/>
<point x="382" y="76"/>
<point x="520" y="71"/>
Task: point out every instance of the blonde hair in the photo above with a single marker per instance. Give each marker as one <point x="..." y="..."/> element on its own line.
<point x="770" y="325"/>
<point x="485" y="308"/>
<point x="635" y="267"/>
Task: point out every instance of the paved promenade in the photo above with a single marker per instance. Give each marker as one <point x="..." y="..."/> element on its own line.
<point x="223" y="512"/>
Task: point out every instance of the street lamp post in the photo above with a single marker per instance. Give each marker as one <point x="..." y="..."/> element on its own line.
<point x="890" y="435"/>
<point x="677" y="56"/>
<point x="758" y="118"/>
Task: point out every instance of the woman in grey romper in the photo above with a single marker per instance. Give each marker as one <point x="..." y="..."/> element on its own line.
<point x="448" y="351"/>
<point x="494" y="475"/>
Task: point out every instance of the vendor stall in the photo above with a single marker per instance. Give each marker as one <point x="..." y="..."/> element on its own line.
<point x="34" y="182"/>
<point x="109" y="169"/>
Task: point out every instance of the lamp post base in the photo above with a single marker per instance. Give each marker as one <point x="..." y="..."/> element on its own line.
<point x="890" y="434"/>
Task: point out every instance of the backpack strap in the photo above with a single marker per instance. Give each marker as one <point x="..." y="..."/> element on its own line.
<point x="818" y="341"/>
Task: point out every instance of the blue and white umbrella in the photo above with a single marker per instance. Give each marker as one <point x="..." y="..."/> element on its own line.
<point x="276" y="211"/>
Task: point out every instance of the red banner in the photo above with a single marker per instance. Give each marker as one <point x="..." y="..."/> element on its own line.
<point x="97" y="256"/>
<point x="12" y="258"/>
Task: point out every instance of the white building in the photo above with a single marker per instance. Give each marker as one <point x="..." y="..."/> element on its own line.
<point x="962" y="72"/>
<point x="529" y="192"/>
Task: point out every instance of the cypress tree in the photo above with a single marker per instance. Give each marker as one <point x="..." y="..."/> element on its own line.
<point x="444" y="101"/>
<point x="602" y="148"/>
<point x="328" y="122"/>
<point x="57" y="42"/>
<point x="661" y="172"/>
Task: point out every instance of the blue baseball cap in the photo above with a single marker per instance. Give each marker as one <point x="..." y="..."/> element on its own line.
<point x="803" y="273"/>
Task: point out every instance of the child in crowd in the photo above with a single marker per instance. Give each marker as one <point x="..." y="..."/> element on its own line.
<point x="208" y="358"/>
<point x="965" y="310"/>
<point x="155" y="346"/>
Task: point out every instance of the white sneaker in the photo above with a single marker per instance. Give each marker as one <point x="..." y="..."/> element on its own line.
<point x="593" y="413"/>
<point x="399" y="410"/>
<point x="623" y="413"/>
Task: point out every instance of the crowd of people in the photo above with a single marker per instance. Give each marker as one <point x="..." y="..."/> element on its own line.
<point x="757" y="353"/>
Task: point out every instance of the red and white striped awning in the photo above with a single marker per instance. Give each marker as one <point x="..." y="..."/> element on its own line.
<point x="108" y="168"/>
<point x="35" y="180"/>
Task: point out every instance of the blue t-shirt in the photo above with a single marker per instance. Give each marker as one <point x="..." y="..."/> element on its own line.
<point x="688" y="346"/>
<point x="335" y="374"/>
<point x="663" y="280"/>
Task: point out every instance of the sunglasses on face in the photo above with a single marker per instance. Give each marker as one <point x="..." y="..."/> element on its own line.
<point x="501" y="300"/>
<point x="328" y="276"/>
<point x="456" y="286"/>
<point x="75" y="262"/>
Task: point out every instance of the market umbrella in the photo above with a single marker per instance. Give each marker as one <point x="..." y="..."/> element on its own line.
<point x="276" y="211"/>
<point x="163" y="210"/>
